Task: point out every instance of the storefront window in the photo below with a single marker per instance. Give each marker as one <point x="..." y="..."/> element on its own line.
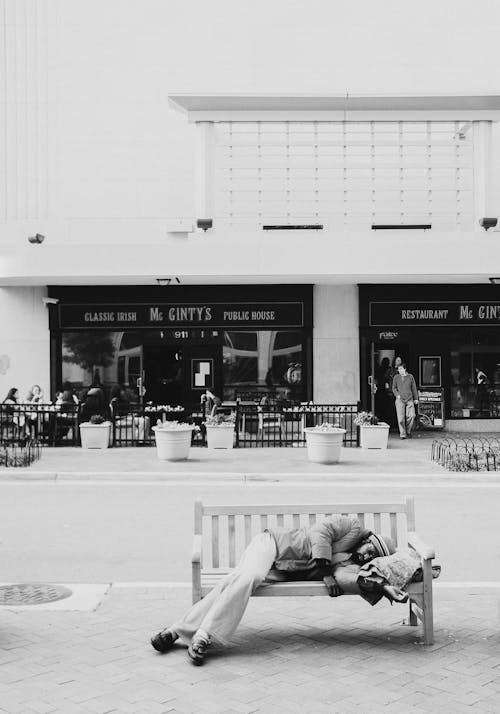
<point x="102" y="358"/>
<point x="475" y="373"/>
<point x="270" y="359"/>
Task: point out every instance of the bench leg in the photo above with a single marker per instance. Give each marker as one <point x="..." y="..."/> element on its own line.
<point x="413" y="619"/>
<point x="428" y="614"/>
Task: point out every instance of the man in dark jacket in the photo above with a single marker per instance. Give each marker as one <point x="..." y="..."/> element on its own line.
<point x="405" y="391"/>
<point x="297" y="550"/>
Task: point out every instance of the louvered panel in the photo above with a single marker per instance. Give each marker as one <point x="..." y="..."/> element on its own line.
<point x="358" y="169"/>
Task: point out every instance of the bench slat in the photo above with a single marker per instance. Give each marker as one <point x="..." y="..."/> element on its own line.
<point x="394" y="527"/>
<point x="377" y="523"/>
<point x="267" y="509"/>
<point x="280" y="520"/>
<point x="361" y="518"/>
<point x="215" y="541"/>
<point x="231" y="537"/>
<point x="248" y="528"/>
<point x="296" y="520"/>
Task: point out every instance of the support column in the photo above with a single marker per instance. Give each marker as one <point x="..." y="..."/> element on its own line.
<point x="205" y="170"/>
<point x="482" y="170"/>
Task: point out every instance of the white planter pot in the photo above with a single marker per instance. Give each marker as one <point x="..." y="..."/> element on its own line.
<point x="220" y="437"/>
<point x="323" y="447"/>
<point x="374" y="436"/>
<point x="95" y="436"/>
<point x="173" y="444"/>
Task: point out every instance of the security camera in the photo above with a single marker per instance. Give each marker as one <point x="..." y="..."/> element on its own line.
<point x="50" y="301"/>
<point x="488" y="222"/>
<point x="204" y="223"/>
<point x="36" y="239"/>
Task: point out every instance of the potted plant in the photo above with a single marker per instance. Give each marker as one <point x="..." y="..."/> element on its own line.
<point x="373" y="434"/>
<point x="95" y="433"/>
<point x="324" y="442"/>
<point x="220" y="430"/>
<point x="173" y="440"/>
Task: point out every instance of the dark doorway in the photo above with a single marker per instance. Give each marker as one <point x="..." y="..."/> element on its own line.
<point x="382" y="366"/>
<point x="163" y="368"/>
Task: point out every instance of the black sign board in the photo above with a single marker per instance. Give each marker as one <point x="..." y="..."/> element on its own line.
<point x="382" y="314"/>
<point x="430" y="408"/>
<point x="181" y="315"/>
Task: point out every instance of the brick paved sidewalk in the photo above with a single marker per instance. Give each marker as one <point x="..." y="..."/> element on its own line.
<point x="296" y="655"/>
<point x="402" y="459"/>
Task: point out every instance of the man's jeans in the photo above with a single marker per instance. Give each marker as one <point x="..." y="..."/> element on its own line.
<point x="405" y="412"/>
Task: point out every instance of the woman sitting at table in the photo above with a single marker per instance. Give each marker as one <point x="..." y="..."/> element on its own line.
<point x="35" y="396"/>
<point x="15" y="417"/>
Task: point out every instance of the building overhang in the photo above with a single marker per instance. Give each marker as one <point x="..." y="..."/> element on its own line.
<point x="337" y="107"/>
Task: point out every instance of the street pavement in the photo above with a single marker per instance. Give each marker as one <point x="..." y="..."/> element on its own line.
<point x="75" y="522"/>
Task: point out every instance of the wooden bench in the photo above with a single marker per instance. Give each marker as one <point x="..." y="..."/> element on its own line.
<point x="222" y="532"/>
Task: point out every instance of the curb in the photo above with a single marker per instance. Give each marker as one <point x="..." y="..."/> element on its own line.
<point x="25" y="475"/>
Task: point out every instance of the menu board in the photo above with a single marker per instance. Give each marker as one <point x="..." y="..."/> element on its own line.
<point x="430" y="414"/>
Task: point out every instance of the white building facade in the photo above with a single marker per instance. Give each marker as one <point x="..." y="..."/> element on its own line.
<point x="289" y="240"/>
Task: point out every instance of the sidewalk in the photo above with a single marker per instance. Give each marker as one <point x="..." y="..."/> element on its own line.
<point x="402" y="460"/>
<point x="293" y="656"/>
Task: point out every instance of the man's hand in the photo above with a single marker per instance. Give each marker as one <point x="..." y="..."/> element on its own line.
<point x="334" y="590"/>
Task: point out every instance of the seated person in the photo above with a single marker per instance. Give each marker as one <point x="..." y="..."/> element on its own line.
<point x="94" y="404"/>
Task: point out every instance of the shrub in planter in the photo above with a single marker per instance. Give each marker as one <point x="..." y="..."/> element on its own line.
<point x="324" y="442"/>
<point x="95" y="433"/>
<point x="373" y="434"/>
<point x="173" y="440"/>
<point x="220" y="431"/>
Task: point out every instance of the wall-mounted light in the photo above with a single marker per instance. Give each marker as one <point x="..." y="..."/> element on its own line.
<point x="37" y="239"/>
<point x="488" y="223"/>
<point x="50" y="301"/>
<point x="204" y="223"/>
<point x="494" y="281"/>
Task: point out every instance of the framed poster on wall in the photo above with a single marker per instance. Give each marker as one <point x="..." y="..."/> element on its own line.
<point x="429" y="372"/>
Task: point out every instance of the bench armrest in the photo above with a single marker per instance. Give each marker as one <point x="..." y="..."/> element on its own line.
<point x="424" y="551"/>
<point x="196" y="553"/>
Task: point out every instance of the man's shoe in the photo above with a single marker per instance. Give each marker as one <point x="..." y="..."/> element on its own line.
<point x="163" y="641"/>
<point x="402" y="437"/>
<point x="197" y="650"/>
<point x="410" y="436"/>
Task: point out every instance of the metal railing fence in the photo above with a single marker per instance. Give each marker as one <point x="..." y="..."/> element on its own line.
<point x="457" y="453"/>
<point x="272" y="425"/>
<point x="275" y="425"/>
<point x="48" y="424"/>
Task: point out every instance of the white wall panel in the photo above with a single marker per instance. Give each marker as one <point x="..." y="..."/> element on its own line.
<point x="24" y="97"/>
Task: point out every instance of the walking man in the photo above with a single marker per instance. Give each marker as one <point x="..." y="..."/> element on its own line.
<point x="405" y="391"/>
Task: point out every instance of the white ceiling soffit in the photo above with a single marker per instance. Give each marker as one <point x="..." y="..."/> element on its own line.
<point x="230" y="107"/>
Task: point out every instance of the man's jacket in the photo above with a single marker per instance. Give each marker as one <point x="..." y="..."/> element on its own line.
<point x="404" y="386"/>
<point x="298" y="549"/>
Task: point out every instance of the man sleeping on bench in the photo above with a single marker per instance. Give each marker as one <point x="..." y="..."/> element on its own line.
<point x="333" y="550"/>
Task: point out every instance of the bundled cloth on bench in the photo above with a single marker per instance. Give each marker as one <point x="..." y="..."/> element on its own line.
<point x="398" y="570"/>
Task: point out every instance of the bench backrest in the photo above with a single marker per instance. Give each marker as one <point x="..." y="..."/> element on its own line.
<point x="227" y="530"/>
